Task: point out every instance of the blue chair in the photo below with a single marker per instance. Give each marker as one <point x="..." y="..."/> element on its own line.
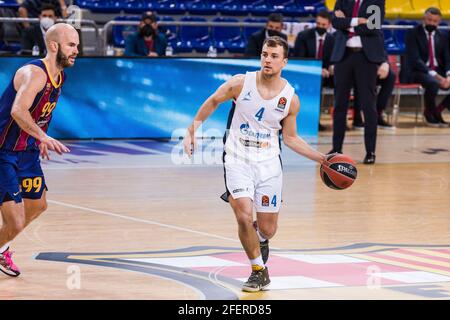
<point x="11" y="4"/>
<point x="390" y="43"/>
<point x="228" y="38"/>
<point x="120" y="33"/>
<point x="310" y="7"/>
<point x="134" y="6"/>
<point x="101" y="6"/>
<point x="244" y="7"/>
<point x="193" y="37"/>
<point x="400" y="34"/>
<point x="286" y="7"/>
<point x="169" y="6"/>
<point x="248" y="31"/>
<point x="200" y="7"/>
<point x="171" y="31"/>
<point x="10" y="47"/>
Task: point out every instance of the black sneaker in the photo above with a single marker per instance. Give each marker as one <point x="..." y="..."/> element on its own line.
<point x="382" y="124"/>
<point x="258" y="280"/>
<point x="430" y="120"/>
<point x="440" y="119"/>
<point x="358" y="125"/>
<point x="370" y="158"/>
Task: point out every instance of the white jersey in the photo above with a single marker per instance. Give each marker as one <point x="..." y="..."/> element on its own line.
<point x="253" y="133"/>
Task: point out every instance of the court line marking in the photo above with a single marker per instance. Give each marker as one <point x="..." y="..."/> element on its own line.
<point x="116" y="215"/>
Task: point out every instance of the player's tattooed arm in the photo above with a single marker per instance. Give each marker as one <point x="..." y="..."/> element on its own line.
<point x="292" y="140"/>
<point x="231" y="89"/>
<point x="28" y="82"/>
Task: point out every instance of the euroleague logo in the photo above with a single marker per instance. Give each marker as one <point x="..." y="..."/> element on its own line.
<point x="265" y="201"/>
<point x="281" y="104"/>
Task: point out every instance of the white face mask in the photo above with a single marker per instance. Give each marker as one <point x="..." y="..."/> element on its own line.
<point x="46" y="23"/>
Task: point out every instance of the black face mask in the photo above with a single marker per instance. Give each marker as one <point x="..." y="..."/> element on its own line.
<point x="321" y="31"/>
<point x="147" y="31"/>
<point x="273" y="33"/>
<point x="430" y="28"/>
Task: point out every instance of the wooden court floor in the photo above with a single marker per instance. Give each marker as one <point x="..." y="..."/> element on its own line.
<point x="124" y="222"/>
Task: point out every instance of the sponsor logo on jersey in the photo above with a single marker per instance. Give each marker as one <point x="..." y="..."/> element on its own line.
<point x="254" y="144"/>
<point x="245" y="130"/>
<point x="265" y="201"/>
<point x="282" y="103"/>
<point x="238" y="190"/>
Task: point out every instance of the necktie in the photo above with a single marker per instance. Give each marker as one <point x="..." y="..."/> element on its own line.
<point x="431" y="50"/>
<point x="320" y="50"/>
<point x="354" y="15"/>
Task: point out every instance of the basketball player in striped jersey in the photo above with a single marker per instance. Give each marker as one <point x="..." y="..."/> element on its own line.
<point x="263" y="104"/>
<point x="26" y="108"/>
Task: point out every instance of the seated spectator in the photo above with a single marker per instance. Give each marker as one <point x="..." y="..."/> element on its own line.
<point x="32" y="9"/>
<point x="273" y="27"/>
<point x="317" y="43"/>
<point x="34" y="35"/>
<point x="428" y="58"/>
<point x="148" y="41"/>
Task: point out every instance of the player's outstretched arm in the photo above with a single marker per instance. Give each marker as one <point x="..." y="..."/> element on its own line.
<point x="28" y="82"/>
<point x="229" y="90"/>
<point x="292" y="140"/>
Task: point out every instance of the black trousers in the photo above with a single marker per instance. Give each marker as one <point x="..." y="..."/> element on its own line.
<point x="358" y="72"/>
<point x="431" y="86"/>
<point x="386" y="87"/>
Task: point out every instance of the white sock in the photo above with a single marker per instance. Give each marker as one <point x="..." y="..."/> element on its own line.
<point x="258" y="261"/>
<point x="261" y="238"/>
<point x="5" y="247"/>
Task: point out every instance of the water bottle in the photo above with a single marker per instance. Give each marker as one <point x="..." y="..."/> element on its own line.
<point x="110" y="50"/>
<point x="212" y="52"/>
<point x="35" y="51"/>
<point x="169" y="50"/>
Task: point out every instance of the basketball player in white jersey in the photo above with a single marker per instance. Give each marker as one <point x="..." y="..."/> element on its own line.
<point x="263" y="104"/>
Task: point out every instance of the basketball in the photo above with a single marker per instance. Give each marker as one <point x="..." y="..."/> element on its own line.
<point x="338" y="172"/>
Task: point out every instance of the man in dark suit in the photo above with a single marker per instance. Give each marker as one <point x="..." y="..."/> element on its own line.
<point x="386" y="82"/>
<point x="273" y="27"/>
<point x="148" y="41"/>
<point x="34" y="35"/>
<point x="428" y="60"/>
<point x="317" y="43"/>
<point x="358" y="50"/>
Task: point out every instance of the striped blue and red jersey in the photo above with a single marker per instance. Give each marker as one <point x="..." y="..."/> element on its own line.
<point x="12" y="137"/>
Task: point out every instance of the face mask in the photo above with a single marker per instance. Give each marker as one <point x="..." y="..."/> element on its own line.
<point x="147" y="31"/>
<point x="430" y="28"/>
<point x="321" y="31"/>
<point x="47" y="22"/>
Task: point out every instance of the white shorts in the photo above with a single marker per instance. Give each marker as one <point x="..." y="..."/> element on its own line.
<point x="260" y="181"/>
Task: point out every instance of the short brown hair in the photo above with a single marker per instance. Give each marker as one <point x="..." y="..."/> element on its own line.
<point x="434" y="11"/>
<point x="277" y="41"/>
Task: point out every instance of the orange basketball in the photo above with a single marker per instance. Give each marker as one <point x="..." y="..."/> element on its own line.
<point x="338" y="171"/>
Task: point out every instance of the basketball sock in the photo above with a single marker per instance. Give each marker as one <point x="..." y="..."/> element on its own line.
<point x="5" y="247"/>
<point x="261" y="238"/>
<point x="257" y="263"/>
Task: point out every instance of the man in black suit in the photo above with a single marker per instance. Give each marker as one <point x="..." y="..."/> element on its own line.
<point x="317" y="43"/>
<point x="34" y="35"/>
<point x="358" y="50"/>
<point x="273" y="27"/>
<point x="386" y="81"/>
<point x="428" y="60"/>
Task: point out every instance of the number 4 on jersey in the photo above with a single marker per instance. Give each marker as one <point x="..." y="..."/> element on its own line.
<point x="259" y="114"/>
